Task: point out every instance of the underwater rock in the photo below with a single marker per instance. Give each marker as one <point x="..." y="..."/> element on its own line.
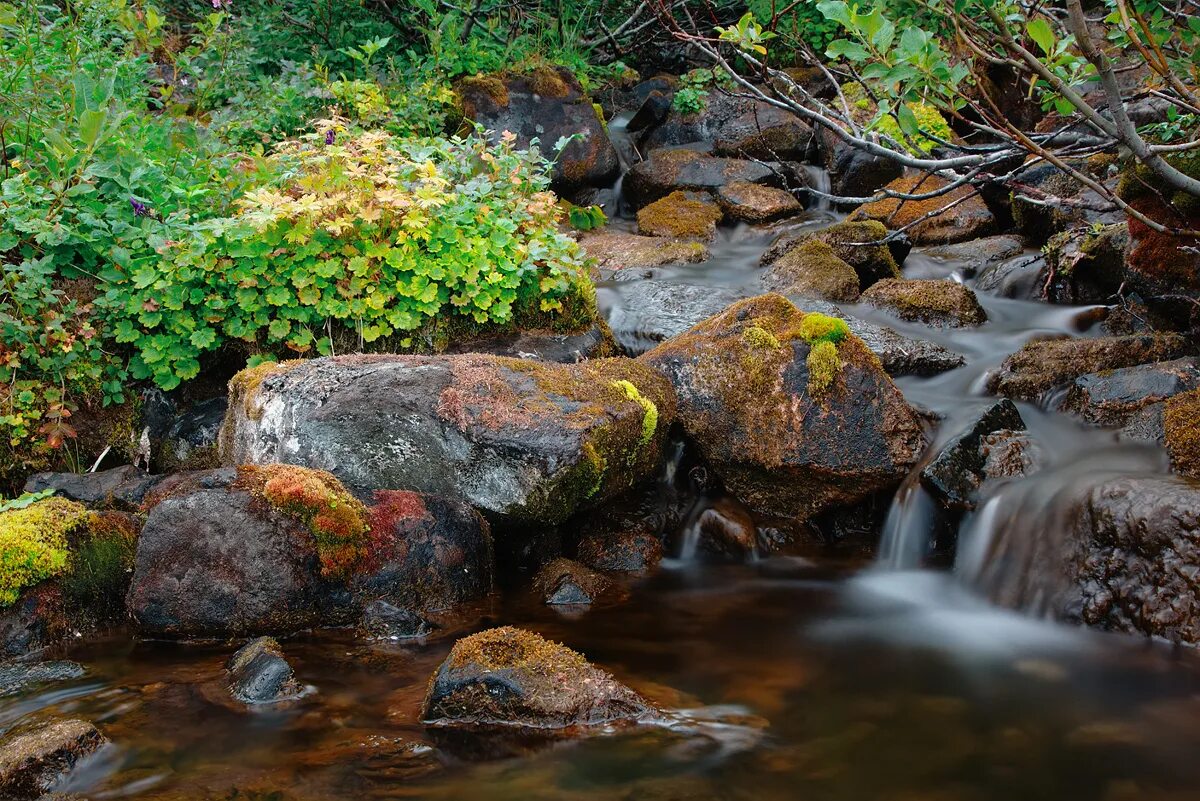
<point x="681" y="215"/>
<point x="566" y="582"/>
<point x="946" y="302"/>
<point x="956" y="473"/>
<point x="120" y="488"/>
<point x="512" y="677"/>
<point x="521" y="440"/>
<point x="259" y="674"/>
<point x="16" y="676"/>
<point x="30" y="762"/>
<point x="969" y="219"/>
<point x="1112" y="397"/>
<point x="667" y="171"/>
<point x="792" y="411"/>
<point x="384" y="621"/>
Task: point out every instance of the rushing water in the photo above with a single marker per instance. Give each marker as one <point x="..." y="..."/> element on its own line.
<point x="833" y="679"/>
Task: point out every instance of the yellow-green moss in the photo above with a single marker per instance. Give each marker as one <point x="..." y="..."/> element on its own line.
<point x="245" y="384"/>
<point x="547" y="82"/>
<point x="34" y="544"/>
<point x="823" y="366"/>
<point x="813" y="269"/>
<point x="759" y="337"/>
<point x="1181" y="427"/>
<point x="649" y="410"/>
<point x="816" y="327"/>
<point x="680" y="215"/>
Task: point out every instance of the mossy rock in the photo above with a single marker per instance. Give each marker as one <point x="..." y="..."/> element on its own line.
<point x="673" y="170"/>
<point x="684" y="215"/>
<point x="614" y="251"/>
<point x="1087" y="264"/>
<point x="813" y="270"/>
<point x="754" y="203"/>
<point x="945" y="302"/>
<point x="969" y="218"/>
<point x="1181" y="427"/>
<point x="852" y="241"/>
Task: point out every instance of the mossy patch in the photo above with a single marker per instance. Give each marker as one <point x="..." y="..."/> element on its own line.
<point x="1181" y="427"/>
<point x="813" y="269"/>
<point x="490" y="86"/>
<point x="100" y="564"/>
<point x="34" y="544"/>
<point x="759" y="337"/>
<point x="932" y="302"/>
<point x="649" y="409"/>
<point x="510" y="648"/>
<point x="685" y="215"/>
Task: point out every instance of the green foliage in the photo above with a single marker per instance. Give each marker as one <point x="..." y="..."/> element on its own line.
<point x="691" y="96"/>
<point x="586" y="218"/>
<point x="34" y="542"/>
<point x="25" y="500"/>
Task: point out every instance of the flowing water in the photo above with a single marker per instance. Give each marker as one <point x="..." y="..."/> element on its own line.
<point x="836" y="678"/>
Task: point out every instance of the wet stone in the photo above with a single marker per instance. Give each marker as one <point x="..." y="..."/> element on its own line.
<point x="32" y="761"/>
<point x="1112" y="398"/>
<point x="957" y="472"/>
<point x="16" y="676"/>
<point x="120" y="488"/>
<point x="564" y="582"/>
<point x="385" y="621"/>
<point x="259" y="674"/>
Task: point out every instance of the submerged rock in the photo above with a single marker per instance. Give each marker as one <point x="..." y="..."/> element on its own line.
<point x="683" y="215"/>
<point x="957" y="472"/>
<point x="32" y="761"/>
<point x="790" y="433"/>
<point x="620" y="551"/>
<point x="617" y="250"/>
<point x="813" y="270"/>
<point x="383" y="621"/>
<point x="933" y="302"/>
<point x="16" y="676"/>
<point x="564" y="582"/>
<point x="1112" y="397"/>
<point x="119" y="488"/>
<point x="1045" y="365"/>
<point x="968" y="219"/>
<point x="511" y="677"/>
<point x="525" y="441"/>
<point x="259" y="674"/>
<point x="667" y="171"/>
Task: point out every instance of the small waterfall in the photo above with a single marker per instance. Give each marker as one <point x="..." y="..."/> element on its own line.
<point x="818" y="179"/>
<point x="613" y="199"/>
<point x="908" y="528"/>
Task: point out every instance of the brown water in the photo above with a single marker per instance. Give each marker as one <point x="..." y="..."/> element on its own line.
<point x="837" y="679"/>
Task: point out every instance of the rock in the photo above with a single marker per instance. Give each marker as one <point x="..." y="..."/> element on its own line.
<point x="969" y="219"/>
<point x="736" y="126"/>
<point x="727" y="528"/>
<point x="620" y="551"/>
<point x="35" y="621"/>
<point x="852" y="172"/>
<point x="978" y="254"/>
<point x="521" y="440"/>
<point x="871" y="262"/>
<point x="616" y="250"/>
<point x="428" y="553"/>
<point x="545" y="346"/>
<point x="1086" y="266"/>
<point x="956" y="473"/>
<point x="16" y="676"/>
<point x="1019" y="278"/>
<point x="812" y="270"/>
<point x="667" y="171"/>
<point x="259" y="674"/>
<point x="653" y="111"/>
<point x="1044" y="365"/>
<point x="648" y="312"/>
<point x="754" y="203"/>
<point x="790" y="434"/>
<point x="1009" y="454"/>
<point x="684" y="215"/>
<point x="31" y="762"/>
<point x="215" y="560"/>
<point x="511" y="677"/>
<point x="946" y="302"/>
<point x="1181" y="432"/>
<point x="1038" y="221"/>
<point x="190" y="442"/>
<point x="1112" y="397"/>
<point x="565" y="582"/>
<point x="383" y="621"/>
<point x="119" y="488"/>
<point x="1164" y="269"/>
<point x="546" y="104"/>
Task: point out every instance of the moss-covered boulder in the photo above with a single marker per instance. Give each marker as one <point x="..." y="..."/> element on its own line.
<point x="683" y="215"/>
<point x="812" y="270"/>
<point x="667" y="171"/>
<point x="521" y="440"/>
<point x="734" y="126"/>
<point x="1045" y="365"/>
<point x="969" y="218"/>
<point x="1181" y="432"/>
<point x="32" y="760"/>
<point x="1087" y="265"/>
<point x="1162" y="267"/>
<point x="859" y="244"/>
<point x="511" y="677"/>
<point x="793" y="412"/>
<point x="945" y="302"/>
<point x="546" y="104"/>
<point x="614" y="251"/>
<point x="754" y="203"/>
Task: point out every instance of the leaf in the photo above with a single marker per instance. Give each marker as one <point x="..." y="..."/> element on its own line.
<point x="1041" y="33"/>
<point x="91" y="123"/>
<point x="907" y="120"/>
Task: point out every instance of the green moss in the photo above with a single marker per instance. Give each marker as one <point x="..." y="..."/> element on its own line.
<point x="817" y="327"/>
<point x="759" y="337"/>
<point x="490" y="85"/>
<point x="547" y="82"/>
<point x="1181" y="427"/>
<point x="823" y="366"/>
<point x="813" y="269"/>
<point x="511" y="648"/>
<point x="940" y="302"/>
<point x="34" y="544"/>
<point x="649" y="410"/>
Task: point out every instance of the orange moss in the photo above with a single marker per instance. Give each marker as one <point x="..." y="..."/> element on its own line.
<point x="1181" y="427"/>
<point x="516" y="649"/>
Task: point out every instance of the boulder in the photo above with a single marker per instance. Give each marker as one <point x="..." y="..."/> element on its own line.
<point x="1164" y="269"/>
<point x="1044" y="365"/>
<point x="667" y="171"/>
<point x="620" y="550"/>
<point x="968" y="219"/>
<point x="681" y="215"/>
<point x="852" y="172"/>
<point x="792" y="411"/>
<point x="521" y="440"/>
<point x="812" y="270"/>
<point x="736" y="126"/>
<point x="119" y="488"/>
<point x="546" y="104"/>
<point x="595" y="342"/>
<point x="32" y="761"/>
<point x="384" y="621"/>
<point x="512" y="677"/>
<point x="754" y="203"/>
<point x="563" y="582"/>
<point x="259" y="674"/>
<point x="1018" y="278"/>
<point x="947" y="303"/>
<point x="851" y="242"/>
<point x="1112" y="397"/>
<point x="955" y="475"/>
<point x="617" y="250"/>
<point x="1087" y="266"/>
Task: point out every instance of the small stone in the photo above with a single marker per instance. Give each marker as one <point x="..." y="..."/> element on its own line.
<point x="31" y="762"/>
<point x="754" y="203"/>
<point x="383" y="621"/>
<point x="617" y="250"/>
<point x="565" y="582"/>
<point x="956" y="473"/>
<point x="259" y="674"/>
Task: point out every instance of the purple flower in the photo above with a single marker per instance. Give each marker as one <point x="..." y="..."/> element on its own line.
<point x="140" y="209"/>
<point x="330" y="136"/>
<point x="222" y="3"/>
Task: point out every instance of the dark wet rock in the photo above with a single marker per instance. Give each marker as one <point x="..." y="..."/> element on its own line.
<point x="190" y="442"/>
<point x="1018" y="278"/>
<point x="667" y="171"/>
<point x="680" y="215"/>
<point x="725" y="527"/>
<point x="522" y="440"/>
<point x="1039" y="221"/>
<point x="1009" y="454"/>
<point x="546" y="104"/>
<point x="1112" y="397"/>
<point x="1045" y="365"/>
<point x="33" y="622"/>
<point x="790" y="436"/>
<point x="812" y="270"/>
<point x="617" y="250"/>
<point x="511" y="677"/>
<point x="213" y="560"/>
<point x="427" y="552"/>
<point x="978" y="254"/>
<point x="1163" y="268"/>
<point x="736" y="126"/>
<point x="119" y="488"/>
<point x="956" y="473"/>
<point x="384" y="621"/>
<point x="31" y="762"/>
<point x="754" y="203"/>
<point x="1086" y="265"/>
<point x="620" y="550"/>
<point x="969" y="219"/>
<point x="852" y="172"/>
<point x="850" y="242"/>
<point x="545" y="346"/>
<point x="653" y="311"/>
<point x="564" y="582"/>
<point x="813" y="80"/>
<point x="16" y="676"/>
<point x="653" y="111"/>
<point x="945" y="302"/>
<point x="259" y="674"/>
